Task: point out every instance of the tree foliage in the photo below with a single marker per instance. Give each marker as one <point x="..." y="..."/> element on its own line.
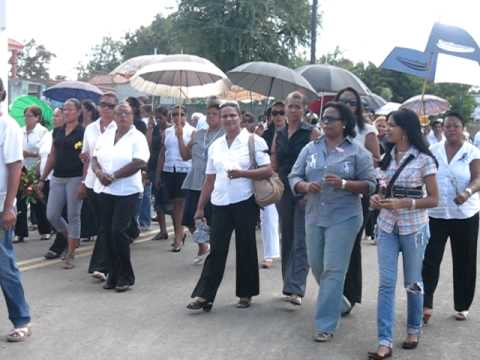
<point x="33" y="61"/>
<point x="104" y="58"/>
<point x="232" y="32"/>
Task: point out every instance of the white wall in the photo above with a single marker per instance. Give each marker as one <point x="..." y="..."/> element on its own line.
<point x="4" y="54"/>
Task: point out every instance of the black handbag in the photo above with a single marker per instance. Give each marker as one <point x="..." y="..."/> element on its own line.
<point x="401" y="191"/>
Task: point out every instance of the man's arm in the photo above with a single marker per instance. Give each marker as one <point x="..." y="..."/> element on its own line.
<point x="9" y="217"/>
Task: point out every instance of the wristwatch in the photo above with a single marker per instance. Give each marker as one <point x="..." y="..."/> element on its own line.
<point x="344" y="183"/>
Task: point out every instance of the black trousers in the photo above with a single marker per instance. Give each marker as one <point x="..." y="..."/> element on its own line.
<point x="98" y="258"/>
<point x="116" y="214"/>
<point x="352" y="289"/>
<point x="89" y="219"/>
<point x="463" y="236"/>
<point x="38" y="209"/>
<point x="241" y="217"/>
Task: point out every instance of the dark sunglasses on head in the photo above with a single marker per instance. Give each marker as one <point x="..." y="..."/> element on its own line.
<point x="350" y="102"/>
<point x="275" y="113"/>
<point x="328" y="119"/>
<point x="107" y="105"/>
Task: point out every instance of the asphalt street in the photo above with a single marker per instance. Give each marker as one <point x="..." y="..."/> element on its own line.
<point x="74" y="318"/>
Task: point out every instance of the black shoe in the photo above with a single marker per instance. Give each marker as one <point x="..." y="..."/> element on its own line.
<point x="200" y="305"/>
<point x="122" y="288"/>
<point x="109" y="286"/>
<point x="410" y="345"/>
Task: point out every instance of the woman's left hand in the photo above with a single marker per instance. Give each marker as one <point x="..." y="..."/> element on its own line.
<point x="334" y="180"/>
<point x="461" y="198"/>
<point x="392" y="203"/>
<point x="235" y="174"/>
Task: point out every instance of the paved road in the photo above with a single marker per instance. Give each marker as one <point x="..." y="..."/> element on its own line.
<point x="74" y="318"/>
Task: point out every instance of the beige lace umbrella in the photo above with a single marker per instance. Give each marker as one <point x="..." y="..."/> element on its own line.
<point x="123" y="72"/>
<point x="181" y="76"/>
<point x="238" y="93"/>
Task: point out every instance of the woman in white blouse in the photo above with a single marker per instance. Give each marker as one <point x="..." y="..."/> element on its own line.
<point x="456" y="217"/>
<point x="229" y="187"/>
<point x="33" y="134"/>
<point x="174" y="169"/>
<point x="118" y="157"/>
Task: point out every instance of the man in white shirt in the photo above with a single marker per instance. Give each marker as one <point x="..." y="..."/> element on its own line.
<point x="11" y="157"/>
<point x="436" y="133"/>
<point x="98" y="266"/>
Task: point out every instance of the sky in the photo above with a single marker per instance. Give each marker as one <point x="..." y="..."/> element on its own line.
<point x="364" y="30"/>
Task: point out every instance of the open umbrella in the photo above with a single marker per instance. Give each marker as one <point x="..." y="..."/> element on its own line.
<point x="373" y="102"/>
<point x="237" y="93"/>
<point x="123" y="72"/>
<point x="426" y="105"/>
<point x="18" y="106"/>
<point x="271" y="80"/>
<point x="181" y="76"/>
<point x="73" y="89"/>
<point x="326" y="78"/>
<point x="388" y="108"/>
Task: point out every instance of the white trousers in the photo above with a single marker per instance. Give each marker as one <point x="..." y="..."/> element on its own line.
<point x="269" y="224"/>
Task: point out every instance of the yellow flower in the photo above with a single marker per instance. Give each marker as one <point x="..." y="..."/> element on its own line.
<point x="78" y="145"/>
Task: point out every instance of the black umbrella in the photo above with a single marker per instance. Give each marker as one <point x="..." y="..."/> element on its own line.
<point x="270" y="79"/>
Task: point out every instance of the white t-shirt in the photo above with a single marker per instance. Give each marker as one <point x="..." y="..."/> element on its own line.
<point x="90" y="137"/>
<point x="222" y="158"/>
<point x="112" y="157"/>
<point x="452" y="179"/>
<point x="11" y="150"/>
<point x="31" y="143"/>
<point x="362" y="134"/>
<point x="432" y="139"/>
<point x="44" y="149"/>
<point x="173" y="159"/>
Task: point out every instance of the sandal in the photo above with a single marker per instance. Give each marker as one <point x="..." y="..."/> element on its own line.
<point x="267" y="264"/>
<point x="376" y="356"/>
<point x="461" y="315"/>
<point x="161" y="236"/>
<point x="68" y="262"/>
<point x="19" y="334"/>
<point x="244" y="303"/>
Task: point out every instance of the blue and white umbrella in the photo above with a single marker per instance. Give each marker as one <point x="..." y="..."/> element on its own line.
<point x="73" y="89"/>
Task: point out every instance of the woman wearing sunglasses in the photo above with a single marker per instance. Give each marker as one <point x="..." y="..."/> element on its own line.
<point x="175" y="169"/>
<point x="366" y="137"/>
<point x="332" y="171"/>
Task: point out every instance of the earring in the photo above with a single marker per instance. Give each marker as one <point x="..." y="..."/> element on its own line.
<point x="344" y="127"/>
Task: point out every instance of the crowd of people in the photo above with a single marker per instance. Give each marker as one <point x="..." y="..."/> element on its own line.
<point x="102" y="168"/>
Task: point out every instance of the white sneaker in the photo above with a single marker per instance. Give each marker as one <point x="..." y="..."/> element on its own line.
<point x="461" y="315"/>
<point x="295" y="300"/>
<point x="99" y="276"/>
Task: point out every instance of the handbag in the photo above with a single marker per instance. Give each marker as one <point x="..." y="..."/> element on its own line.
<point x="402" y="191"/>
<point x="267" y="191"/>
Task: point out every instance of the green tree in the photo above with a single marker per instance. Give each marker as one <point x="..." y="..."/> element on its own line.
<point x="33" y="61"/>
<point x="159" y="36"/>
<point x="232" y="32"/>
<point x="103" y="58"/>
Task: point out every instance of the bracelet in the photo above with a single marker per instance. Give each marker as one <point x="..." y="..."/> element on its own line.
<point x="413" y="205"/>
<point x="344" y="184"/>
<point x="469" y="191"/>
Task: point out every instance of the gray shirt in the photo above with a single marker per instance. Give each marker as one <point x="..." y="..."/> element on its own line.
<point x="201" y="141"/>
<point x="350" y="161"/>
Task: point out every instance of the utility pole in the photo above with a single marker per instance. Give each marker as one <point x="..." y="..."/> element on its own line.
<point x="313" y="34"/>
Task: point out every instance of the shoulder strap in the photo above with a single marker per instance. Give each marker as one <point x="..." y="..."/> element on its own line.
<point x="388" y="192"/>
<point x="251" y="151"/>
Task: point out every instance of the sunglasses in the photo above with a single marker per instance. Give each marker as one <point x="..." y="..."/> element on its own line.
<point x="107" y="105"/>
<point x="275" y="113"/>
<point x="176" y="114"/>
<point x="329" y="119"/>
<point x="348" y="102"/>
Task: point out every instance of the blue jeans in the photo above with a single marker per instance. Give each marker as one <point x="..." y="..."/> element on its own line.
<point x="412" y="246"/>
<point x="18" y="310"/>
<point x="329" y="249"/>
<point x="145" y="217"/>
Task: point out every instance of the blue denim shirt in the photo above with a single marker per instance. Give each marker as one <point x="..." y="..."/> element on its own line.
<point x="349" y="161"/>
